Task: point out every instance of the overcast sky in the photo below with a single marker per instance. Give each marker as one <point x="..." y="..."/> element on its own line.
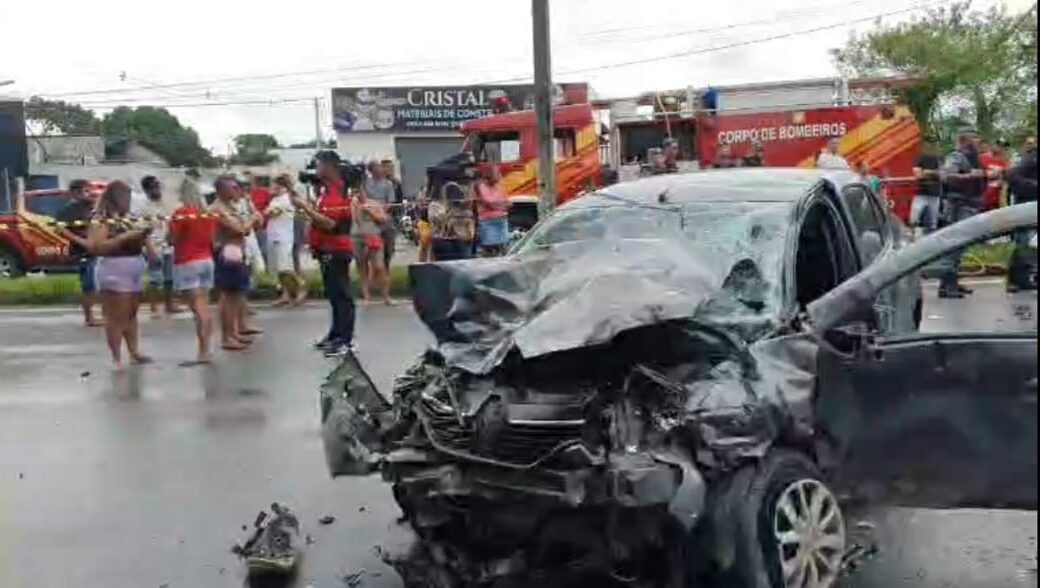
<point x="244" y="51"/>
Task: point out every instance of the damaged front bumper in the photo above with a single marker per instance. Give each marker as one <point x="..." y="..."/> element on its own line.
<point x="358" y="429"/>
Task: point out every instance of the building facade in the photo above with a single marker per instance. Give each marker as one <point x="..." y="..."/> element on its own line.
<point x="419" y="126"/>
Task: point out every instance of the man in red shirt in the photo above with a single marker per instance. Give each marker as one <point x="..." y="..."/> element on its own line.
<point x="330" y="238"/>
<point x="995" y="163"/>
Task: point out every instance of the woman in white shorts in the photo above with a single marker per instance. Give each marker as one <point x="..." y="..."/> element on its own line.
<point x="191" y="232"/>
<point x="281" y="231"/>
<point x="119" y="242"/>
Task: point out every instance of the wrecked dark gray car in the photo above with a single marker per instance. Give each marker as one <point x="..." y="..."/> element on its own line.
<point x="663" y="383"/>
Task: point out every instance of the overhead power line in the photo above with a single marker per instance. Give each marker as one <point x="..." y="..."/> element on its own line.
<point x="382" y="71"/>
<point x="215" y="81"/>
<point x="800" y="14"/>
<point x="270" y="102"/>
<point x="734" y="45"/>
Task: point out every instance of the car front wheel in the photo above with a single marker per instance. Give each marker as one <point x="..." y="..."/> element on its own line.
<point x="780" y="524"/>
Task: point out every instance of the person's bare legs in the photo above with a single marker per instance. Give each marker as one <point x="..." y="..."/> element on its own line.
<point x="154" y="296"/>
<point x="113" y="327"/>
<point x="364" y="272"/>
<point x="131" y="304"/>
<point x="170" y="299"/>
<point x="297" y="259"/>
<point x="301" y="289"/>
<point x="87" y="302"/>
<point x="229" y="322"/>
<point x="380" y="276"/>
<point x="198" y="302"/>
<point x="205" y="317"/>
<point x="297" y="275"/>
<point x="243" y="326"/>
<point x="289" y="288"/>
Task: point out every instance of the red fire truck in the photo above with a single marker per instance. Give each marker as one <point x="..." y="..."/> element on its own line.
<point x="885" y="137"/>
<point x="28" y="239"/>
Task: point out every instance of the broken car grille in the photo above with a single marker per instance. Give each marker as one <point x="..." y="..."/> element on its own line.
<point x="518" y="444"/>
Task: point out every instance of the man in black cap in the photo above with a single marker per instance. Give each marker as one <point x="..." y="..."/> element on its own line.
<point x="965" y="184"/>
<point x="330" y="221"/>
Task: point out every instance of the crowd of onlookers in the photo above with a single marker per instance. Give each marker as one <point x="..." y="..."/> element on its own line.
<point x="975" y="177"/>
<point x="134" y="251"/>
<point x="223" y="240"/>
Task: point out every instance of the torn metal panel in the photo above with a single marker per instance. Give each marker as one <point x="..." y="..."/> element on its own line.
<point x="355" y="418"/>
<point x="566" y="289"/>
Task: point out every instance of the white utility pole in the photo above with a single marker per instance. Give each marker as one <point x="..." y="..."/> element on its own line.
<point x="317" y="125"/>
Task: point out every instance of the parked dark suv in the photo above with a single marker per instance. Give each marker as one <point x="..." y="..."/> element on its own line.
<point x="675" y="378"/>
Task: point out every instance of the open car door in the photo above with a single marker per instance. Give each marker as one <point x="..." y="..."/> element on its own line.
<point x="946" y="415"/>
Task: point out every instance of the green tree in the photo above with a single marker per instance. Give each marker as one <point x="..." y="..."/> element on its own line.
<point x="49" y="117"/>
<point x="255" y="149"/>
<point x="160" y="131"/>
<point x="976" y="64"/>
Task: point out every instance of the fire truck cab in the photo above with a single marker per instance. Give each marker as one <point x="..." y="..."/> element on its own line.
<point x="510" y="141"/>
<point x="29" y="241"/>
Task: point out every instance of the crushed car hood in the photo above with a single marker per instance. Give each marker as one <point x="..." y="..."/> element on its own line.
<point x="583" y="294"/>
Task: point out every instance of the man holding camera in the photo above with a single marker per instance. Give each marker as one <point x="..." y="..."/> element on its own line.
<point x="330" y="221"/>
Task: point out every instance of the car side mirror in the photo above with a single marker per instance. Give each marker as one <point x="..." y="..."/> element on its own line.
<point x="852" y="339"/>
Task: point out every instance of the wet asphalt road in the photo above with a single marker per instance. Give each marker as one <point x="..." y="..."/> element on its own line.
<point x="143" y="479"/>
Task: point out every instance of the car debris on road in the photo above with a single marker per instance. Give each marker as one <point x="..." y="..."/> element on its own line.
<point x="272" y="546"/>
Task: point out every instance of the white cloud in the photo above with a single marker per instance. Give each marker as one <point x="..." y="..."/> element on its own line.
<point x="85" y="46"/>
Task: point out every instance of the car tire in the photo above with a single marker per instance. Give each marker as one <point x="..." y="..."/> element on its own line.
<point x="758" y="524"/>
<point x="10" y="264"/>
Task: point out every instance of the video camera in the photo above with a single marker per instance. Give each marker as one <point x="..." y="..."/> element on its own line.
<point x="353" y="174"/>
<point x="459" y="169"/>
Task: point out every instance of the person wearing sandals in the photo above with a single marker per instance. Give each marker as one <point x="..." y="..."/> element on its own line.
<point x="119" y="244"/>
<point x="280" y="214"/>
<point x="192" y="234"/>
<point x="231" y="269"/>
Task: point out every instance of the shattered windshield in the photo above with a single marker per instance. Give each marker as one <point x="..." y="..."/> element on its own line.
<point x="601" y="222"/>
<point x="742" y="241"/>
<point x="730" y="227"/>
<point x="601" y="267"/>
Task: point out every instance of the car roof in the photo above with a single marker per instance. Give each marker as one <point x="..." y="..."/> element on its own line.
<point x="761" y="184"/>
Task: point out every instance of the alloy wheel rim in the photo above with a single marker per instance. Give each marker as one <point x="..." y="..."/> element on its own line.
<point x="810" y="535"/>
